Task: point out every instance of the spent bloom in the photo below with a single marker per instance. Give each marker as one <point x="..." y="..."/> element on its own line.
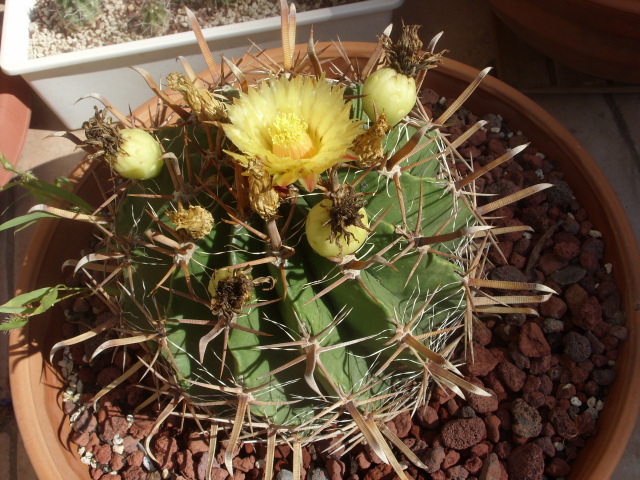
<point x="297" y="128"/>
<point x="368" y="147"/>
<point x="194" y="220"/>
<point x="202" y="102"/>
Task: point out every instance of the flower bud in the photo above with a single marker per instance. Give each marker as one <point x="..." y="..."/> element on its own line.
<point x="387" y="91"/>
<point x="369" y="145"/>
<point x="139" y="156"/>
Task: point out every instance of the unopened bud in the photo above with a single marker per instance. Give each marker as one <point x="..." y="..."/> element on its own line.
<point x="390" y="92"/>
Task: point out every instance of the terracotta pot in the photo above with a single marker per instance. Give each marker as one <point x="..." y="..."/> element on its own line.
<point x="35" y="384"/>
<point x="598" y="37"/>
<point x="15" y="114"/>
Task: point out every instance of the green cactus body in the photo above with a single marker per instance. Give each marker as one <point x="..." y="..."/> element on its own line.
<point x="384" y="297"/>
<point x="78" y="13"/>
<point x="152" y="18"/>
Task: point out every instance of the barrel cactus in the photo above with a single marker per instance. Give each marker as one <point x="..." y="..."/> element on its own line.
<point x="299" y="269"/>
<point x="75" y="14"/>
<point x="153" y="18"/>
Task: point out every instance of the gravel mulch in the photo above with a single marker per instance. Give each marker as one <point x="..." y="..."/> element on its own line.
<point x="119" y="21"/>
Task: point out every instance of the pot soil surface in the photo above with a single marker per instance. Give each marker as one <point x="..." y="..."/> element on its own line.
<point x="549" y="374"/>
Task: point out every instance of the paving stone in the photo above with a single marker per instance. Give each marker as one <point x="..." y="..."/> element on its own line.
<point x="23" y="466"/>
<point x="5" y="455"/>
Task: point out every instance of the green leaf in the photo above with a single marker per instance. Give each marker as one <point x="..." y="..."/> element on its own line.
<point x="4" y="162"/>
<point x="26" y="299"/>
<point x="26" y="305"/>
<point x="26" y="220"/>
<point x="46" y="192"/>
<point x="48" y="300"/>
<point x="13" y="322"/>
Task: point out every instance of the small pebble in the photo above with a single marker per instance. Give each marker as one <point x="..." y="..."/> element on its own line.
<point x="284" y="475"/>
<point x="319" y="474"/>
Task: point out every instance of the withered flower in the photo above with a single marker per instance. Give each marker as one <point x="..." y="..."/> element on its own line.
<point x="406" y="56"/>
<point x="264" y="200"/>
<point x="195" y="220"/>
<point x="201" y="101"/>
<point x="230" y="290"/>
<point x="368" y="146"/>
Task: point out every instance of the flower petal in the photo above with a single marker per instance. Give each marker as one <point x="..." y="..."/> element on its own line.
<point x="315" y="101"/>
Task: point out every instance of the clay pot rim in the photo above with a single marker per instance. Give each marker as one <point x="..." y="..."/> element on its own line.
<point x="15" y="115"/>
<point x="35" y="413"/>
<point x="597" y="37"/>
<point x="627" y="6"/>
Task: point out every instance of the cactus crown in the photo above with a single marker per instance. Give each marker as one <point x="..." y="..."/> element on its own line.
<point x="208" y="265"/>
<point x="75" y="14"/>
<point x="153" y="18"/>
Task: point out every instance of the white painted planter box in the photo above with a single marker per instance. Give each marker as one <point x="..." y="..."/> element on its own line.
<point x="61" y="79"/>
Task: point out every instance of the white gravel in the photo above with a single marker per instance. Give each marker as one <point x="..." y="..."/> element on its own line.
<point x="117" y="23"/>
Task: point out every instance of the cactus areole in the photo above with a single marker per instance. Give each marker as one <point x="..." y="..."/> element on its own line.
<point x="293" y="271"/>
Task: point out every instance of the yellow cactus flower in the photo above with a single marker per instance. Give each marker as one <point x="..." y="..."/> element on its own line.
<point x="297" y="128"/>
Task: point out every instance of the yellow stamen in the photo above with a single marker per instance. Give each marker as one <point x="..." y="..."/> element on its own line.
<point x="290" y="137"/>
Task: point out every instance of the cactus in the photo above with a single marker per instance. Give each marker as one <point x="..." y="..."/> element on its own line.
<point x="76" y="14"/>
<point x="209" y="266"/>
<point x="153" y="18"/>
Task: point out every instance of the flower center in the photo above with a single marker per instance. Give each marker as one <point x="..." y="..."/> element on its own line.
<point x="290" y="137"/>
